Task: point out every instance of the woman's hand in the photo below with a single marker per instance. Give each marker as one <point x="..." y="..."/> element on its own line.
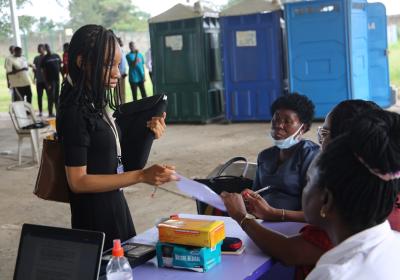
<point x="234" y="205"/>
<point x="257" y="206"/>
<point x="157" y="175"/>
<point x="157" y="125"/>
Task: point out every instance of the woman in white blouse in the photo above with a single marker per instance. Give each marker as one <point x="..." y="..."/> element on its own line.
<point x="352" y="187"/>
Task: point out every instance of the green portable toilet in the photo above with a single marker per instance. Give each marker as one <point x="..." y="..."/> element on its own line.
<point x="186" y="63"/>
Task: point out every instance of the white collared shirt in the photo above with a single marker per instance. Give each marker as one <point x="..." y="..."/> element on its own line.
<point x="370" y="254"/>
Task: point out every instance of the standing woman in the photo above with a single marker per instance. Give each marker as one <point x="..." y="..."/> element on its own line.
<point x="90" y="137"/>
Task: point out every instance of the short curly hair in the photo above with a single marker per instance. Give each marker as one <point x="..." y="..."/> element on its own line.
<point x="298" y="103"/>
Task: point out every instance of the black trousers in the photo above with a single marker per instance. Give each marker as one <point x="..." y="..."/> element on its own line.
<point x="52" y="95"/>
<point x="40" y="87"/>
<point x="134" y="87"/>
<point x="19" y="94"/>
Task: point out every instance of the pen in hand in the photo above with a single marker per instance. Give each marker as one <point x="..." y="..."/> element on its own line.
<point x="154" y="192"/>
<point x="262" y="190"/>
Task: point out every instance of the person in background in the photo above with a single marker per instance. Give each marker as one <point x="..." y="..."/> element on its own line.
<point x="136" y="71"/>
<point x="122" y="70"/>
<point x="7" y="61"/>
<point x="90" y="137"/>
<point x="38" y="77"/>
<point x="64" y="68"/>
<point x="51" y="68"/>
<point x="149" y="64"/>
<point x="350" y="193"/>
<point x="17" y="72"/>
<point x="302" y="250"/>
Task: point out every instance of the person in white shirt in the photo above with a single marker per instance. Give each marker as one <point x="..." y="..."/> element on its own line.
<point x="18" y="76"/>
<point x="351" y="190"/>
<point x="7" y="62"/>
<point x="149" y="64"/>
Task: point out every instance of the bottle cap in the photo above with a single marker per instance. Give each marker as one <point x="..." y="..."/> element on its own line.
<point x="117" y="250"/>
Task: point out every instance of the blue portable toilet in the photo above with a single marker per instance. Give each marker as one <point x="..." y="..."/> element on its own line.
<point x="337" y="51"/>
<point x="252" y="58"/>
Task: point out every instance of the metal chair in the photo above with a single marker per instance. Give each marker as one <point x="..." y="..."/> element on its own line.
<point x="25" y="125"/>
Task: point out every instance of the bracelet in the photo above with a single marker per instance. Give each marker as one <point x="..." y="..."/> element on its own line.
<point x="283" y="215"/>
<point x="242" y="220"/>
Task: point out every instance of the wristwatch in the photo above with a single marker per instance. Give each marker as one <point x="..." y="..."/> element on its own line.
<point x="246" y="217"/>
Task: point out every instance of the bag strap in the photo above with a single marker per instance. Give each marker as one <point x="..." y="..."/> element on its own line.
<point x="230" y="162"/>
<point x="109" y="120"/>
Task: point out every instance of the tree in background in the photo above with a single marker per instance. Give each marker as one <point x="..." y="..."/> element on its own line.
<point x="5" y="17"/>
<point x="120" y="15"/>
<point x="231" y="3"/>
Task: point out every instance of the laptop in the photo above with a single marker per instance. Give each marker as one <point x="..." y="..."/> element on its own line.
<point x="58" y="253"/>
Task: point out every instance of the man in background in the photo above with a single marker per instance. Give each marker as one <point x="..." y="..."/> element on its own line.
<point x="17" y="72"/>
<point x="6" y="62"/>
<point x="38" y="77"/>
<point x="136" y="71"/>
<point x="64" y="69"/>
<point x="149" y="64"/>
<point x="51" y="67"/>
<point x="122" y="70"/>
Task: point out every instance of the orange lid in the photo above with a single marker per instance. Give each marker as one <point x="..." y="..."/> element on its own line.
<point x="117" y="250"/>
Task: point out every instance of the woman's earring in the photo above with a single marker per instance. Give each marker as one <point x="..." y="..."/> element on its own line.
<point x="322" y="213"/>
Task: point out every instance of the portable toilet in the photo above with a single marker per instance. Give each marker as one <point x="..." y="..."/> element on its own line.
<point x="337" y="51"/>
<point x="252" y="57"/>
<point x="186" y="62"/>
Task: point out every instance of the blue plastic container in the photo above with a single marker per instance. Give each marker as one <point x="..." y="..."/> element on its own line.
<point x="334" y="52"/>
<point x="252" y="64"/>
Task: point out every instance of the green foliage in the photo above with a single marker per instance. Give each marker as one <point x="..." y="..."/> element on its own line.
<point x="26" y="23"/>
<point x="116" y="14"/>
<point x="5" y="17"/>
<point x="394" y="64"/>
<point x="231" y="3"/>
<point x="46" y="26"/>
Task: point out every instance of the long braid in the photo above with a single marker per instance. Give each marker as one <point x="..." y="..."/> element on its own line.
<point x="362" y="198"/>
<point x="95" y="48"/>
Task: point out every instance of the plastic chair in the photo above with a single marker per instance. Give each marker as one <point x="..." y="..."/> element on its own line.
<point x="24" y="120"/>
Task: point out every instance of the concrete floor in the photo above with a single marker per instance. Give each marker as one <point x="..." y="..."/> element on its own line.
<point x="195" y="150"/>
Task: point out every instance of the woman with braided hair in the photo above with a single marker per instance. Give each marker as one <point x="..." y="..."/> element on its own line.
<point x="351" y="190"/>
<point x="302" y="250"/>
<point x="90" y="137"/>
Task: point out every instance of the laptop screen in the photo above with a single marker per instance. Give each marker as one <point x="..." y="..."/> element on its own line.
<point x="58" y="253"/>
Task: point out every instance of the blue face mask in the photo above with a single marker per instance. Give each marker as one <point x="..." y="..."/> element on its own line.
<point x="288" y="142"/>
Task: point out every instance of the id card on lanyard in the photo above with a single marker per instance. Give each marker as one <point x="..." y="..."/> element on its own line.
<point x="110" y="121"/>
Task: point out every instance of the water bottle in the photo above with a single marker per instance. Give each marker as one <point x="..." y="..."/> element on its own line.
<point x="118" y="268"/>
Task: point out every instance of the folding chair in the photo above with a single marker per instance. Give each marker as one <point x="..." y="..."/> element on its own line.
<point x="26" y="125"/>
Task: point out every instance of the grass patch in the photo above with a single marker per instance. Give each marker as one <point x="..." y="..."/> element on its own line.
<point x="394" y="64"/>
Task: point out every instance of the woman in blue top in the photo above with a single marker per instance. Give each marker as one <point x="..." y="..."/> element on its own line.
<point x="283" y="167"/>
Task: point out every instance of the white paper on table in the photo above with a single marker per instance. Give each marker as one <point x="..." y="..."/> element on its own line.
<point x="200" y="192"/>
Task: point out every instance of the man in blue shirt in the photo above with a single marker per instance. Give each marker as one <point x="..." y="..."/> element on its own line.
<point x="136" y="71"/>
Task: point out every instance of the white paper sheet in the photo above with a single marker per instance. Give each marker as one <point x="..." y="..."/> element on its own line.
<point x="200" y="192"/>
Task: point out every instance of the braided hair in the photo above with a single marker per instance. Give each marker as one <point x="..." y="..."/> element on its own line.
<point x="352" y="163"/>
<point x="91" y="51"/>
<point x="343" y="115"/>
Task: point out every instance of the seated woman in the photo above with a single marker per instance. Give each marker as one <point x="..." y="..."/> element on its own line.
<point x="284" y="166"/>
<point x="351" y="190"/>
<point x="302" y="250"/>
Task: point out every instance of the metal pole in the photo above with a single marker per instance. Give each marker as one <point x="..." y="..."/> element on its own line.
<point x="15" y="23"/>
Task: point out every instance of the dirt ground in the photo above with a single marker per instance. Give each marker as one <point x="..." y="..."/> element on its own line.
<point x="195" y="150"/>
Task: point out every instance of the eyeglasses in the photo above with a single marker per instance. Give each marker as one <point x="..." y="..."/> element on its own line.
<point x="322" y="134"/>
